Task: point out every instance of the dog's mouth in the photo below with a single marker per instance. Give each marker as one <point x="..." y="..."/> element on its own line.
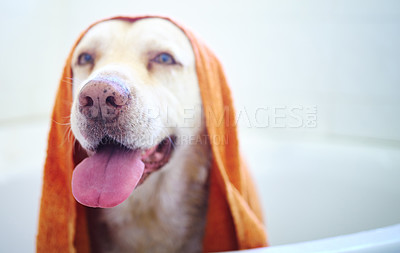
<point x="108" y="176"/>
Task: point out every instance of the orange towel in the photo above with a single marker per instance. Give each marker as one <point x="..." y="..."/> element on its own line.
<point x="234" y="217"/>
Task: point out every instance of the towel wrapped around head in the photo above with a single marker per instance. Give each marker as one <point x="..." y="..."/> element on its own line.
<point x="234" y="216"/>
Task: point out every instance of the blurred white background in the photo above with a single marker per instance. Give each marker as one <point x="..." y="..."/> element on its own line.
<point x="339" y="175"/>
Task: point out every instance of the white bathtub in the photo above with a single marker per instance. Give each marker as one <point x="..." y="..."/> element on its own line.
<point x="311" y="188"/>
<point x="384" y="240"/>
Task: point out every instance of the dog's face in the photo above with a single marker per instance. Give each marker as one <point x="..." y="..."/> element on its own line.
<point x="135" y="89"/>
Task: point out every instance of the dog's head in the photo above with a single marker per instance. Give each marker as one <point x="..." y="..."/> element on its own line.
<point x="133" y="86"/>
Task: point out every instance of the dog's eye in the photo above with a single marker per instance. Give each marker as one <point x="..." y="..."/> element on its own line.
<point x="85" y="58"/>
<point x="164" y="58"/>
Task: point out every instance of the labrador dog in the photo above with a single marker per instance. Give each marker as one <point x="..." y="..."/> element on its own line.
<point x="136" y="107"/>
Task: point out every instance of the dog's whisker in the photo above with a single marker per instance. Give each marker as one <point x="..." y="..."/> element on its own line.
<point x="65" y="136"/>
<point x="172" y="142"/>
<point x="62" y="124"/>
<point x="71" y="80"/>
<point x="67" y="133"/>
<point x="67" y="82"/>
<point x="70" y="135"/>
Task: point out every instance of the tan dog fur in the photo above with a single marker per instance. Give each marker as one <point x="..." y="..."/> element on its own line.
<point x="167" y="212"/>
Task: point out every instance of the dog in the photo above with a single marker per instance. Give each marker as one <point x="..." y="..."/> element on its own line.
<point x="137" y="105"/>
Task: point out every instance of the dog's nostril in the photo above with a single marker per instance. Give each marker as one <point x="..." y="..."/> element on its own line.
<point x="89" y="101"/>
<point x="111" y="101"/>
<point x="86" y="101"/>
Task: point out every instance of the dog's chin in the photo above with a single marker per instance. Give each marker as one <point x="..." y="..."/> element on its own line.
<point x="112" y="171"/>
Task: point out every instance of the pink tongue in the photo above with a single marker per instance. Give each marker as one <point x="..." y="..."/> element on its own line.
<point x="107" y="178"/>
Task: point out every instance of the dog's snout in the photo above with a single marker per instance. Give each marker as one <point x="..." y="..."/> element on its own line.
<point x="103" y="99"/>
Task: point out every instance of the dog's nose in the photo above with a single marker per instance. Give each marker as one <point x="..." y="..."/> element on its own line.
<point x="103" y="98"/>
